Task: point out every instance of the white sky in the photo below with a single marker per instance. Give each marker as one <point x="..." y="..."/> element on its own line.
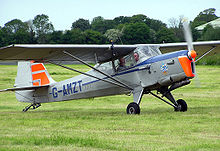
<point x="62" y="13"/>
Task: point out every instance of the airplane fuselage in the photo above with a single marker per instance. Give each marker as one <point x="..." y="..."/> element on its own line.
<point x="151" y="73"/>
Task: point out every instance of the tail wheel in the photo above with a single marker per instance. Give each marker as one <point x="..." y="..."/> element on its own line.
<point x="133" y="108"/>
<point x="182" y="105"/>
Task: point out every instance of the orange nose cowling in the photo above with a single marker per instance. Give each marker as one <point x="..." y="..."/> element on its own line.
<point x="185" y="62"/>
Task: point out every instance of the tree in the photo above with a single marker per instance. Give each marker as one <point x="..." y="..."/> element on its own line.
<point x="174" y="23"/>
<point x="136" y="33"/>
<point x="122" y="20"/>
<point x="114" y="35"/>
<point x="210" y="33"/>
<point x="153" y="38"/>
<point x="56" y="37"/>
<point x="1" y="38"/>
<point x="139" y="18"/>
<point x="74" y="36"/>
<point x="97" y="24"/>
<point x="101" y="25"/>
<point x="15" y="25"/>
<point x="15" y="32"/>
<point x="165" y="35"/>
<point x="154" y="24"/>
<point x="42" y="27"/>
<point x="176" y="26"/>
<point x="81" y="24"/>
<point x="195" y="33"/>
<point x="204" y="17"/>
<point x="30" y="25"/>
<point x="94" y="37"/>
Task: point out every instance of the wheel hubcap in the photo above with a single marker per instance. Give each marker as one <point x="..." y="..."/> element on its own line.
<point x="179" y="107"/>
<point x="131" y="110"/>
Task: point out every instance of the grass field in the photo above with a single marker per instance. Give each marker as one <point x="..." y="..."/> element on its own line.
<point x="102" y="123"/>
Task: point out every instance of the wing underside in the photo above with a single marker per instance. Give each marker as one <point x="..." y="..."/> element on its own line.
<point x="200" y="47"/>
<point x="92" y="53"/>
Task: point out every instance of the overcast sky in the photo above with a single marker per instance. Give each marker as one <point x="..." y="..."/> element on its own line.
<point x="62" y="13"/>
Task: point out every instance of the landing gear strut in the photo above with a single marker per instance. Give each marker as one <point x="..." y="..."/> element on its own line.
<point x="133" y="107"/>
<point x="179" y="105"/>
<point x="33" y="105"/>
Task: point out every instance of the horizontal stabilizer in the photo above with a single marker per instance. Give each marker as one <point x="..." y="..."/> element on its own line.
<point x="24" y="88"/>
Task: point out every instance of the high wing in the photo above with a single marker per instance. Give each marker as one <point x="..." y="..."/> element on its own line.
<point x="92" y="53"/>
<point x="200" y="47"/>
<point x="39" y="52"/>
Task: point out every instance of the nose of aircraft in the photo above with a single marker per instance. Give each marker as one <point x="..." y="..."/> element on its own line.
<point x="188" y="37"/>
<point x="192" y="54"/>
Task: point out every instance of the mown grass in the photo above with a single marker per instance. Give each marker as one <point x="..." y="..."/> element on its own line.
<point x="102" y="123"/>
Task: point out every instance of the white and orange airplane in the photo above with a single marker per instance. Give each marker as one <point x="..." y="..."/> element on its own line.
<point x="120" y="69"/>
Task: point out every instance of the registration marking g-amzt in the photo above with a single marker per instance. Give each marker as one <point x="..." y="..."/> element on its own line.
<point x="67" y="89"/>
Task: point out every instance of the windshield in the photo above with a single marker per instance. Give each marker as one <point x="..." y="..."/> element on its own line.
<point x="147" y="51"/>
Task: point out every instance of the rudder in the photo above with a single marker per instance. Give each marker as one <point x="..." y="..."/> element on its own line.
<point x="30" y="73"/>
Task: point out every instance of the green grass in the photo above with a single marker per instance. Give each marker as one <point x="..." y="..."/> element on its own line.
<point x="102" y="123"/>
<point x="210" y="60"/>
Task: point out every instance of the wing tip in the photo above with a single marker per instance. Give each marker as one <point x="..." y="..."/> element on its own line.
<point x="9" y="46"/>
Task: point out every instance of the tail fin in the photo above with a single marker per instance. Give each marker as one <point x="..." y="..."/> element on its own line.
<point x="32" y="74"/>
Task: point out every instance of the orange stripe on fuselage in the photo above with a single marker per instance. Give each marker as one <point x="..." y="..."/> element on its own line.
<point x="186" y="65"/>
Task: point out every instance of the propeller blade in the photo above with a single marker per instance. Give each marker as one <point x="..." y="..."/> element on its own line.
<point x="192" y="52"/>
<point x="196" y="80"/>
<point x="188" y="34"/>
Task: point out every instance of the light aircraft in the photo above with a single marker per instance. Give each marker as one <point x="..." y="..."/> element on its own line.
<point x="120" y="69"/>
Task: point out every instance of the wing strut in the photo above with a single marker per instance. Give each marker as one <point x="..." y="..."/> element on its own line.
<point x="207" y="52"/>
<point x="83" y="62"/>
<point x="111" y="82"/>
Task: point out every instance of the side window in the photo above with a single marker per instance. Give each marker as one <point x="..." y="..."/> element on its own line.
<point x="129" y="61"/>
<point x="126" y="61"/>
<point x="120" y="64"/>
<point x="105" y="66"/>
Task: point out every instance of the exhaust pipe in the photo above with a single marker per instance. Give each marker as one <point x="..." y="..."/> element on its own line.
<point x="179" y="84"/>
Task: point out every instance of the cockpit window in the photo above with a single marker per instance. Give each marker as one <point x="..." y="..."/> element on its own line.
<point x="147" y="51"/>
<point x="104" y="66"/>
<point x="127" y="61"/>
<point x="140" y="54"/>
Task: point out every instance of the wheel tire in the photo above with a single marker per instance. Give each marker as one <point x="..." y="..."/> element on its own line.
<point x="133" y="108"/>
<point x="183" y="105"/>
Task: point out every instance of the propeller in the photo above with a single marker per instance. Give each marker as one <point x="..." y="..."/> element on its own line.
<point x="188" y="38"/>
<point x="192" y="53"/>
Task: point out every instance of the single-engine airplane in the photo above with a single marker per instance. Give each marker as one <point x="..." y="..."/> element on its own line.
<point x="120" y="69"/>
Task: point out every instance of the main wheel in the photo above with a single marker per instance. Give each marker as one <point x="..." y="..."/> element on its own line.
<point x="133" y="108"/>
<point x="182" y="105"/>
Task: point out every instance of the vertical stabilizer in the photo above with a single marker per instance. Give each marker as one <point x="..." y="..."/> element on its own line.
<point x="40" y="75"/>
<point x="24" y="75"/>
<point x="32" y="74"/>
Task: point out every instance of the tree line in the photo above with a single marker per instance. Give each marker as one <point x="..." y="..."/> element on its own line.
<point x="122" y="30"/>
